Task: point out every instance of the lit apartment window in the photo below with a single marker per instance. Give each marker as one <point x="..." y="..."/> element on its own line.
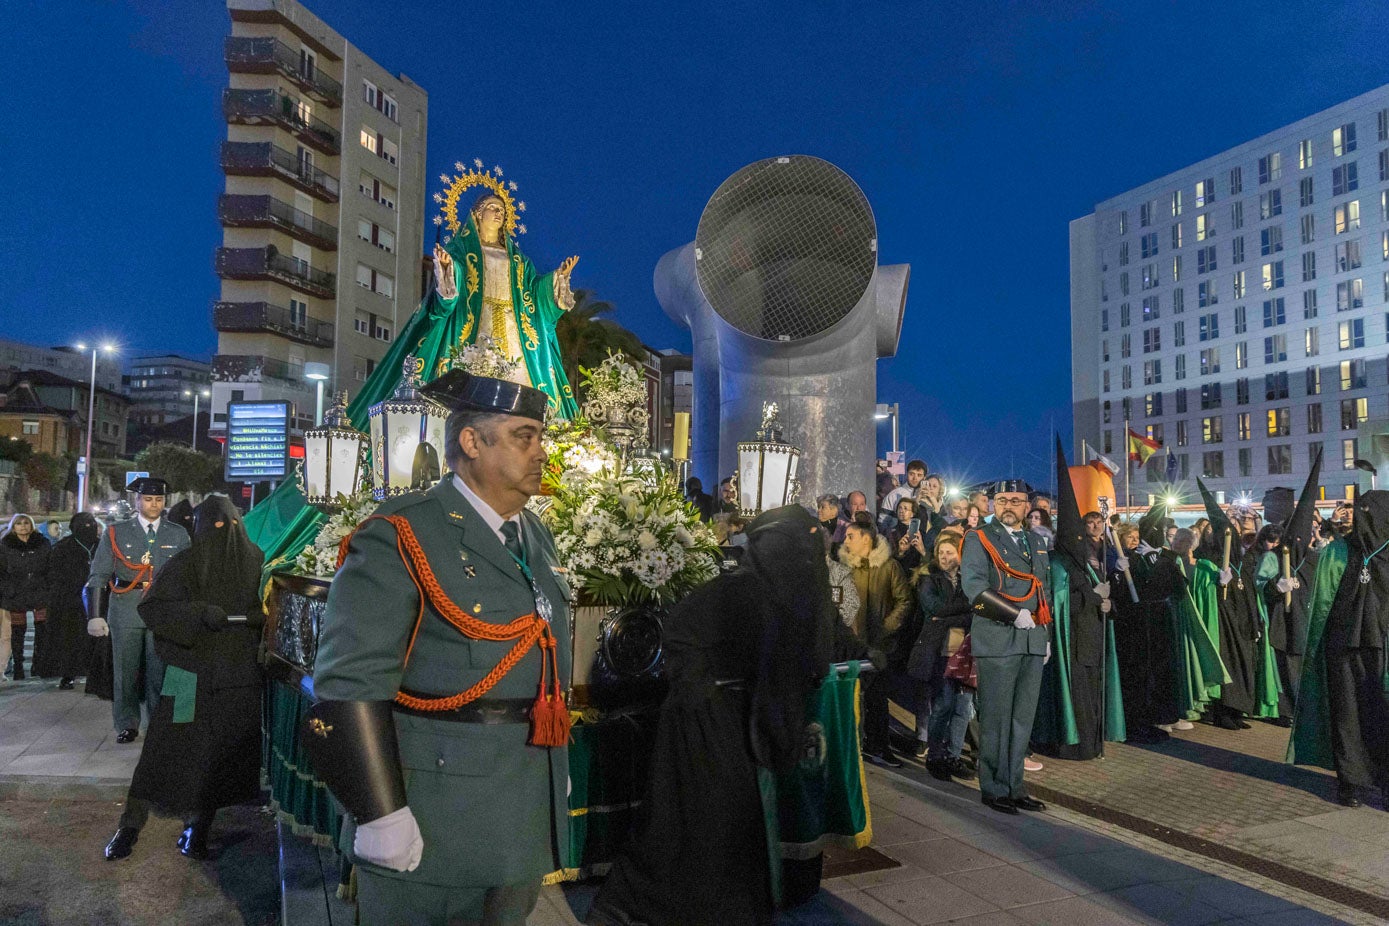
<point x="1273" y="275"/>
<point x="30" y="427"/>
<point x="1350" y="294"/>
<point x="1352" y="334"/>
<point x="370" y="139"/>
<point x="1311" y="342"/>
<point x="1212" y="430"/>
<point x="1124" y="222"/>
<point x="1152" y="372"/>
<point x="1242" y="355"/>
<point x="1352" y="375"/>
<point x="1150" y="276"/>
<point x="1346" y="216"/>
<point x="1279" y="422"/>
<point x="1177" y="202"/>
<point x="1205" y="192"/>
<point x="1242" y="426"/>
<point x="1270" y="167"/>
<point x="1151" y="308"/>
<point x="1177" y="269"/>
<point x="1343" y="139"/>
<point x="1354" y="412"/>
<point x="1270" y="204"/>
<point x="1152" y="405"/>
<point x="1205" y="226"/>
<point x="1347" y="256"/>
<point x="1304" y="154"/>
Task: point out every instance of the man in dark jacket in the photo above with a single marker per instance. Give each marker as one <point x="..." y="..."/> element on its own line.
<point x="23" y="583"/>
<point x="885" y="604"/>
<point x="702" y="501"/>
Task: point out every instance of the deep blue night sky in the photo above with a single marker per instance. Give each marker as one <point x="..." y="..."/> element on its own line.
<point x="978" y="131"/>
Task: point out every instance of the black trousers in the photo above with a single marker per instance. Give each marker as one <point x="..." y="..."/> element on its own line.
<point x="1359" y="716"/>
<point x="137" y="814"/>
<point x="875" y="713"/>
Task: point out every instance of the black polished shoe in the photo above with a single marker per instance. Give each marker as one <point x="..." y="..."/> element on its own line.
<point x="1346" y="796"/>
<point x="1029" y="803"/>
<point x="1001" y="804"/>
<point x="959" y="768"/>
<point x="939" y="769"/>
<point x="884" y="758"/>
<point x="127" y="736"/>
<point x="920" y="750"/>
<point x="193" y="843"/>
<point x="65" y="685"/>
<point x="121" y="843"/>
<point x="1226" y="722"/>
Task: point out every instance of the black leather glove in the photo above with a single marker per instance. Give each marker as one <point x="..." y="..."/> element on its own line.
<point x="214" y="618"/>
<point x="878" y="658"/>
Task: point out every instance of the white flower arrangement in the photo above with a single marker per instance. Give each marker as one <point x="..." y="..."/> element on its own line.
<point x="631" y="542"/>
<point x="320" y="558"/>
<point x="485" y="357"/>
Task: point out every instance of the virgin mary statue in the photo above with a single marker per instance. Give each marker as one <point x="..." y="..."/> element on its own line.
<point x="486" y="286"/>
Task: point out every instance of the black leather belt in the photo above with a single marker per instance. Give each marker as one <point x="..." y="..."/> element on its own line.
<point x="483" y="710"/>
<point x="129" y="583"/>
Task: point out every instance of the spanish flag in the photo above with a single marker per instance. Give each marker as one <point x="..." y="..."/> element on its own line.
<point x="1140" y="447"/>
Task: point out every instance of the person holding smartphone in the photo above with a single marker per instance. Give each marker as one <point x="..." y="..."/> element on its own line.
<point x="905" y="539"/>
<point x="202" y="749"/>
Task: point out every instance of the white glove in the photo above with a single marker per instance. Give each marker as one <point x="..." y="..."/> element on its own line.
<point x="1226" y="575"/>
<point x="1047" y="658"/>
<point x="1144" y="549"/>
<point x="393" y="841"/>
<point x="1024" y="620"/>
<point x="1106" y="605"/>
<point x="1102" y="589"/>
<point x="1121" y="564"/>
<point x="1283" y="585"/>
<point x="97" y="627"/>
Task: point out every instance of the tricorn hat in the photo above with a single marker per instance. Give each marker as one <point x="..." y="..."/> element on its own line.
<point x="459" y="390"/>
<point x="148" y="485"/>
<point x="1009" y="485"/>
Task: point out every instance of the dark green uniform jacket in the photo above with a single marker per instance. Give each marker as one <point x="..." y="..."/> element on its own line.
<point x="492" y="809"/>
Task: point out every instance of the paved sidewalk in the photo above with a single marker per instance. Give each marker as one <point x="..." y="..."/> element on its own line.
<point x="959" y="862"/>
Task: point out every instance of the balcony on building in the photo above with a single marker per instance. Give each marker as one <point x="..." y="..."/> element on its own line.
<point x="268" y="263"/>
<point x="270" y="107"/>
<point x="246" y="368"/>
<point x="262" y="159"/>
<point x="267" y="55"/>
<point x="241" y="211"/>
<point x="253" y="317"/>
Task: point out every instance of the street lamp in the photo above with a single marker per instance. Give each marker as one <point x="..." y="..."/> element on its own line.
<point x="196" y="394"/>
<point x="84" y="475"/>
<point x="1368" y="467"/>
<point x="882" y="411"/>
<point x="319" y="373"/>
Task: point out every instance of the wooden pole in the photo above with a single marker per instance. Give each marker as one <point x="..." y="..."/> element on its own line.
<point x="1287" y="574"/>
<point x="1225" y="562"/>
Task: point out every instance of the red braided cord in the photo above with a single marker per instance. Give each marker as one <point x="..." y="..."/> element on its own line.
<point x="1035" y="584"/>
<point x="141" y="569"/>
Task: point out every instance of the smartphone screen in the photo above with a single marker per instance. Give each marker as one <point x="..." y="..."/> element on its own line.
<point x="914" y="527"/>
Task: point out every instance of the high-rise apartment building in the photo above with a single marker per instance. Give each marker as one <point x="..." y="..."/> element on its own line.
<point x="1237" y="310"/>
<point x="156" y="385"/>
<point x="323" y="214"/>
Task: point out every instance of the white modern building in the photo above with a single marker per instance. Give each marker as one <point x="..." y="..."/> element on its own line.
<point x="1236" y="310"/>
<point x="323" y="214"/>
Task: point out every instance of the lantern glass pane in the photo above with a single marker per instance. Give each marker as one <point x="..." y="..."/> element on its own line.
<point x="749" y="467"/>
<point x="378" y="452"/>
<point x="776" y="471"/>
<point x="404" y="437"/>
<point x="343" y="472"/>
<point x="315" y="464"/>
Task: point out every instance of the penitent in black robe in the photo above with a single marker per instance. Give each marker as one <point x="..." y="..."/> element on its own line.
<point x="1241" y="626"/>
<point x="65" y="650"/>
<point x="1355" y="639"/>
<point x="700" y="854"/>
<point x="203" y="748"/>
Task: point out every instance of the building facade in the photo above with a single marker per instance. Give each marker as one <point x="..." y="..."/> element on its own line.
<point x="49" y="412"/>
<point x="68" y="362"/>
<point x="1237" y="310"/>
<point x="323" y="214"/>
<point x="156" y="384"/>
<point x="669" y="377"/>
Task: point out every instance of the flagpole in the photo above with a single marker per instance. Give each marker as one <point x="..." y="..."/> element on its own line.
<point x="1128" y="469"/>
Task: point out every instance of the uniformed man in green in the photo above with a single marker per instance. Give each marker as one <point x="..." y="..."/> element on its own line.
<point x="1004" y="572"/>
<point x="127" y="557"/>
<point x="439" y="722"/>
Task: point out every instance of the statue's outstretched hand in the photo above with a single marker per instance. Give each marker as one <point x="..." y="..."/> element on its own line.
<point x="566" y="268"/>
<point x="443" y="273"/>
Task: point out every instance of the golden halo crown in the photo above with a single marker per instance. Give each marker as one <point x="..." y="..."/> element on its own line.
<point x="466" y="179"/>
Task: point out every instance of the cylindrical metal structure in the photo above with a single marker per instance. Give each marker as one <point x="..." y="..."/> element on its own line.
<point x="785" y="303"/>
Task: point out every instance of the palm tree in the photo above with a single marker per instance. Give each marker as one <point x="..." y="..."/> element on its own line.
<point x="585" y="339"/>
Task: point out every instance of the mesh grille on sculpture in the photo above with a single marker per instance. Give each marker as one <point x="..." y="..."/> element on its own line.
<point x="786" y="247"/>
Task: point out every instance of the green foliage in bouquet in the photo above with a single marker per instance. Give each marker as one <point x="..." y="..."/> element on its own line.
<point x="630" y="542"/>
